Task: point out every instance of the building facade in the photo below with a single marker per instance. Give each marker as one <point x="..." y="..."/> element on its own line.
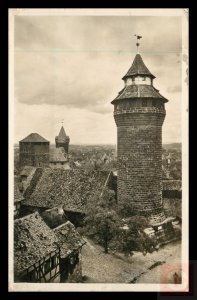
<point x="139" y="113"/>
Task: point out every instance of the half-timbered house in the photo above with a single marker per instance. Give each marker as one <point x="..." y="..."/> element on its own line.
<point x="36" y="251"/>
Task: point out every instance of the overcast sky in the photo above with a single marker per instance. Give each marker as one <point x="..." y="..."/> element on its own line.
<point x="70" y="67"/>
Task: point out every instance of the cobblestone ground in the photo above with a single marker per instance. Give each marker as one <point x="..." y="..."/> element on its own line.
<point x="99" y="267"/>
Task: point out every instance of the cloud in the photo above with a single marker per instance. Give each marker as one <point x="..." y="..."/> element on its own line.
<point x="68" y="64"/>
<point x="174" y="89"/>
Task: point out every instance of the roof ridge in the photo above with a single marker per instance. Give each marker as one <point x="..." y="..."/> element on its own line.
<point x="34" y="137"/>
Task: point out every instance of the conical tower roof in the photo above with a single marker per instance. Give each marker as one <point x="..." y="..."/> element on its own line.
<point x="62" y="133"/>
<point x="138" y="68"/>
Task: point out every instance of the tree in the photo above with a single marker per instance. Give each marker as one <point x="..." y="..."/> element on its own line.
<point x="102" y="222"/>
<point x="134" y="238"/>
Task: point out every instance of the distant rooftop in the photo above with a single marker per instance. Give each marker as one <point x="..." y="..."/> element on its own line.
<point x="57" y="155"/>
<point x="34" y="138"/>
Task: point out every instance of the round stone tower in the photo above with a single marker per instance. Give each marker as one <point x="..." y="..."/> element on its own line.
<point x="139" y="112"/>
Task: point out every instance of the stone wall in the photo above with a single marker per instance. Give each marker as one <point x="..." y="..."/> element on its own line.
<point x="140" y="160"/>
<point x="172" y="207"/>
<point x="33" y="154"/>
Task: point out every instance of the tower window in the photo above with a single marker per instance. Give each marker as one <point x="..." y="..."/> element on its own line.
<point x="144" y="103"/>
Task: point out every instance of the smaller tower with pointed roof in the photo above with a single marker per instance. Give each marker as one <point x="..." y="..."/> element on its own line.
<point x="62" y="140"/>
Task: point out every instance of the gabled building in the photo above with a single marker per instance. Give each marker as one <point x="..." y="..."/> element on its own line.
<point x="36" y="251"/>
<point x="70" y="189"/>
<point x="45" y="255"/>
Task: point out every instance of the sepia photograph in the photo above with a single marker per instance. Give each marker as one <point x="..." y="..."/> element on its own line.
<point x="98" y="150"/>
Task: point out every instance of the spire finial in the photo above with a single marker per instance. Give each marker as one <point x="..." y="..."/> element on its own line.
<point x="137" y="44"/>
<point x="62" y="122"/>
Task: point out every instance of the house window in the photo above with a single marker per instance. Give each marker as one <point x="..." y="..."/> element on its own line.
<point x="144" y="78"/>
<point x="144" y="103"/>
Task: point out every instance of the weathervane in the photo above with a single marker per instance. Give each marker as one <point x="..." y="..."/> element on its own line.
<point x="138" y="38"/>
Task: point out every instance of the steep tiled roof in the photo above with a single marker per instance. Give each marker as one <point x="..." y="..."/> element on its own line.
<point x="57" y="155"/>
<point x="139" y="91"/>
<point x="34" y="138"/>
<point x="138" y="68"/>
<point x="68" y="238"/>
<point x="72" y="188"/>
<point x="33" y="240"/>
<point x="172" y="185"/>
<point x="62" y="133"/>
